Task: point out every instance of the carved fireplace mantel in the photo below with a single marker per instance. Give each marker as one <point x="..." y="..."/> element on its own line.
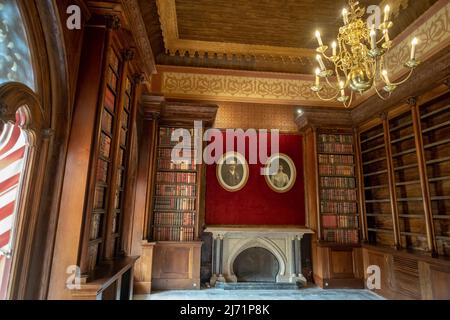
<point x="283" y="242"/>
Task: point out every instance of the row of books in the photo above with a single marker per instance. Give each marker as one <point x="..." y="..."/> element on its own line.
<point x="338" y="170"/>
<point x="175" y="190"/>
<point x="176" y="177"/>
<point x="338" y="207"/>
<point x="335" y="138"/>
<point x="167" y="164"/>
<point x="174" y="218"/>
<point x="186" y="204"/>
<point x="180" y="153"/>
<point x="335" y="159"/>
<point x="336" y="221"/>
<point x="338" y="194"/>
<point x="341" y="236"/>
<point x="335" y="148"/>
<point x="173" y="234"/>
<point x="165" y="136"/>
<point x="337" y="182"/>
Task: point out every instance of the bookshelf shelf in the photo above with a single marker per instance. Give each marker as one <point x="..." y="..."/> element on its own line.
<point x="374" y="161"/>
<point x="339" y="216"/>
<point x="435" y="112"/>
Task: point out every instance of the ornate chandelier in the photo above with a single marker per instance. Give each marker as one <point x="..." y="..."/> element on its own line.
<point x="358" y="58"/>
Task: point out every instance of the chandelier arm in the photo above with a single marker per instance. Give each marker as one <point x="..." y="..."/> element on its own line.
<point x="327" y="99"/>
<point x="379" y="94"/>
<point x="404" y="80"/>
<point x="350" y="102"/>
<point x="326" y="57"/>
<point x="330" y="84"/>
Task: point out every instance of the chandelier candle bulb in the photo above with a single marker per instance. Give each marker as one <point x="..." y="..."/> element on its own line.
<point x="414" y="43"/>
<point x="319" y="39"/>
<point x="387" y="11"/>
<point x="317" y="77"/>
<point x="334" y="46"/>
<point x="384" y="73"/>
<point x="345" y="15"/>
<point x="373" y="38"/>
<point x="319" y="60"/>
<point x="341" y="85"/>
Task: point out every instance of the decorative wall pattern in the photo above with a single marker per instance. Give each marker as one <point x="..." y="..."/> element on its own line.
<point x="432" y="34"/>
<point x="215" y="86"/>
<point x="256" y="116"/>
<point x="15" y="58"/>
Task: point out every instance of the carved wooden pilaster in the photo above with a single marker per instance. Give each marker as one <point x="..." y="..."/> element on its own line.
<point x="424" y="183"/>
<point x="391" y="181"/>
<point x="360" y="182"/>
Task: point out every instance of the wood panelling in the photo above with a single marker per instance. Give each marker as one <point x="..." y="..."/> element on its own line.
<point x="176" y="265"/>
<point x="341" y="263"/>
<point x="409" y="276"/>
<point x="144" y="269"/>
<point x="337" y="266"/>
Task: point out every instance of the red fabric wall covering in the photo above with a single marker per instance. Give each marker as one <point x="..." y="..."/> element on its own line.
<point x="256" y="203"/>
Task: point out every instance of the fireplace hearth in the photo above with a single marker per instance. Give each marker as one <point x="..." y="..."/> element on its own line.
<point x="256" y="265"/>
<point x="245" y="254"/>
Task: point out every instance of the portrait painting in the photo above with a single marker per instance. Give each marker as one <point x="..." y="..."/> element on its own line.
<point x="232" y="171"/>
<point x="281" y="173"/>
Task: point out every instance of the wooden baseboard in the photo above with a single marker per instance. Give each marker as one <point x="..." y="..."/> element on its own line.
<point x="350" y="283"/>
<point x="176" y="284"/>
<point x="142" y="287"/>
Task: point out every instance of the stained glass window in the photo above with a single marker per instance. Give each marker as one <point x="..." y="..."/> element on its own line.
<point x="15" y="57"/>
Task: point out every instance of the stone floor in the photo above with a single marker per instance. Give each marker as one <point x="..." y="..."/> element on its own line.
<point x="312" y="293"/>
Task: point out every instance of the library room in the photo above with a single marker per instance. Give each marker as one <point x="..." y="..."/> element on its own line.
<point x="215" y="150"/>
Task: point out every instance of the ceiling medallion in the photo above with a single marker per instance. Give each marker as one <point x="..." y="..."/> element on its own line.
<point x="358" y="58"/>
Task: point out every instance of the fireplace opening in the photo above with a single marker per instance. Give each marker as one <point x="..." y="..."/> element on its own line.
<point x="256" y="265"/>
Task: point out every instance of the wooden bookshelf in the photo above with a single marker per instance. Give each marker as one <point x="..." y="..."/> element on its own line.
<point x="106" y="214"/>
<point x="408" y="181"/>
<point x="175" y="204"/>
<point x="337" y="188"/>
<point x="411" y="215"/>
<point x="435" y="125"/>
<point x="376" y="189"/>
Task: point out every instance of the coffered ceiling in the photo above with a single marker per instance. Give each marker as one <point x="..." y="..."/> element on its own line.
<point x="263" y="35"/>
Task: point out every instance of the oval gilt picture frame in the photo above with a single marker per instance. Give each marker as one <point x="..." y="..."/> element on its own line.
<point x="280" y="177"/>
<point x="232" y="171"/>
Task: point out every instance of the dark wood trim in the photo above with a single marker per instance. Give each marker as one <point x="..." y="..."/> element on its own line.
<point x="360" y="184"/>
<point x="391" y="182"/>
<point x="424" y="183"/>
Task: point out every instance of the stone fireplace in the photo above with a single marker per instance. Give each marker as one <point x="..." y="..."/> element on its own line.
<point x="257" y="254"/>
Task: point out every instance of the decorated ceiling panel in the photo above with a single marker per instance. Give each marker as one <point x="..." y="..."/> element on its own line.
<point x="262" y="35"/>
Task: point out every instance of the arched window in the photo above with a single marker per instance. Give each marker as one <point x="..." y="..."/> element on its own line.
<point x="15" y="141"/>
<point x="14" y="146"/>
<point x="15" y="57"/>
